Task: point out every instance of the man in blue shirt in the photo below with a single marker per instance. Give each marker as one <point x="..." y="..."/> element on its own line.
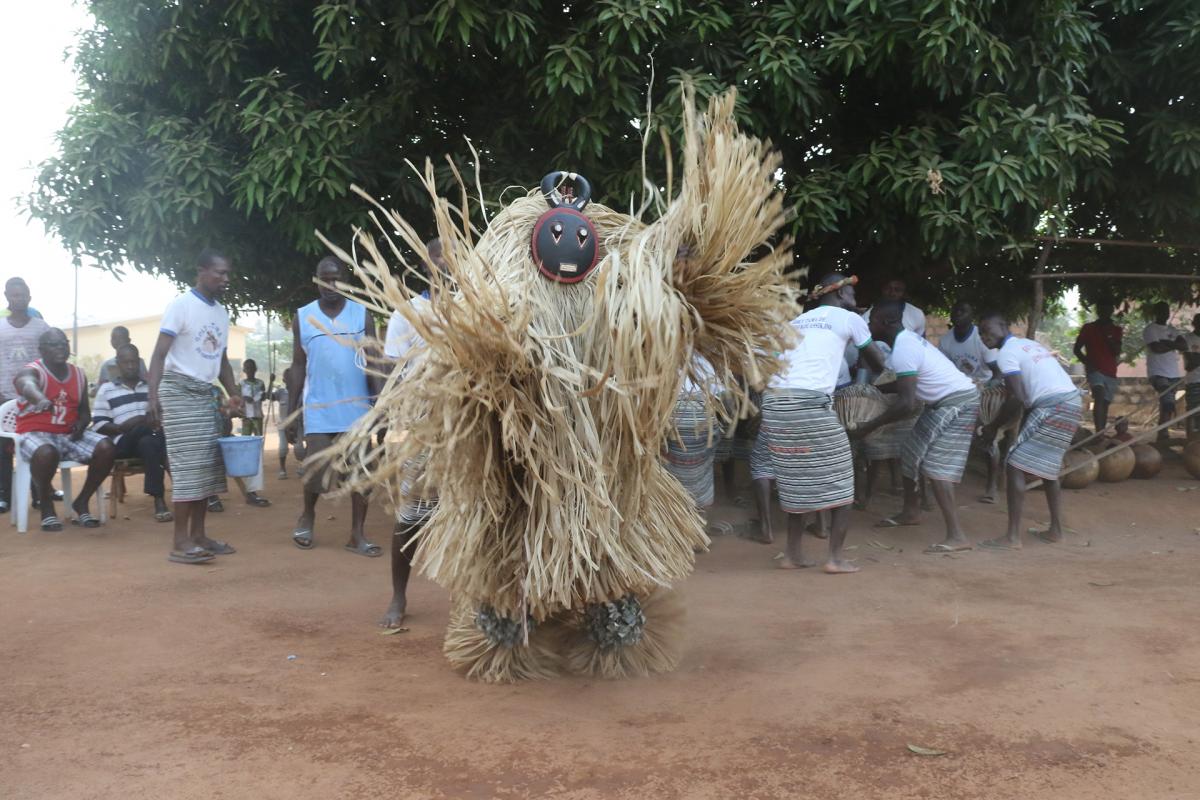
<point x="329" y="380"/>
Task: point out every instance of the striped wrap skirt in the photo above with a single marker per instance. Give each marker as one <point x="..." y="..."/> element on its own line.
<point x="738" y="444"/>
<point x="1046" y="434"/>
<point x="808" y="449"/>
<point x="418" y="501"/>
<point x="191" y="428"/>
<point x="691" y="448"/>
<point x="941" y="438"/>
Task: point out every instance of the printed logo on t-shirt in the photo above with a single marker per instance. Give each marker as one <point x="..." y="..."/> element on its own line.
<point x="208" y="341"/>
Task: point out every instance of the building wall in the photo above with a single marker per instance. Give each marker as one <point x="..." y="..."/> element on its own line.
<point x="94" y="348"/>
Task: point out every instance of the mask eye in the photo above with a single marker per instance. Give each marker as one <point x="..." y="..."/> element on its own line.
<point x="583" y="236"/>
<point x="556" y="231"/>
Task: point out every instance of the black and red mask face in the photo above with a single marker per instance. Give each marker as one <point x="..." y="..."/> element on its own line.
<point x="564" y="241"/>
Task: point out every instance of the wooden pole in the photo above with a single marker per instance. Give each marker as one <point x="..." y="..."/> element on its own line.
<point x="1123" y="446"/>
<point x="1118" y="243"/>
<point x="1039" y="294"/>
<point x="1078" y="275"/>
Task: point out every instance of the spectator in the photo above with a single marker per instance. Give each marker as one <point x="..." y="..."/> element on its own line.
<point x="20" y="330"/>
<point x="253" y="391"/>
<point x="1163" y="345"/>
<point x="53" y="423"/>
<point x="122" y="413"/>
<point x="329" y="380"/>
<point x="1191" y="360"/>
<point x="282" y="426"/>
<point x="188" y="356"/>
<point x="914" y="318"/>
<point x="108" y="370"/>
<point x="1098" y="348"/>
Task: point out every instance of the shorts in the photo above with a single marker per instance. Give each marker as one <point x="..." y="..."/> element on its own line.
<point x="68" y="450"/>
<point x="320" y="479"/>
<point x="1104" y="387"/>
<point x="1166" y="403"/>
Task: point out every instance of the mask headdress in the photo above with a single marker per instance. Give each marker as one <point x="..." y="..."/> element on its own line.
<point x="564" y="243"/>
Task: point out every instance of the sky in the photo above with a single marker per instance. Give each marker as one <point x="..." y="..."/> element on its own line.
<point x="33" y="41"/>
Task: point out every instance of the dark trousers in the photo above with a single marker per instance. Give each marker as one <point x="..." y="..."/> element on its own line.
<point x="151" y="447"/>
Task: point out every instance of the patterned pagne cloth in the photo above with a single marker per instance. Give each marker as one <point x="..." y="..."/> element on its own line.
<point x="941" y="439"/>
<point x="738" y="444"/>
<point x="809" y="450"/>
<point x="191" y="428"/>
<point x="419" y="501"/>
<point x="1046" y="435"/>
<point x="691" y="448"/>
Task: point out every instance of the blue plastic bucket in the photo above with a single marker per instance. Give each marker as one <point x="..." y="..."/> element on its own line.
<point x="242" y="455"/>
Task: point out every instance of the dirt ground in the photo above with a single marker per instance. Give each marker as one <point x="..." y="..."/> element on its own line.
<point x="1056" y="672"/>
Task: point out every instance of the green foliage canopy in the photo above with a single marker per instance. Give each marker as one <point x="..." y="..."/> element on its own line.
<point x="928" y="138"/>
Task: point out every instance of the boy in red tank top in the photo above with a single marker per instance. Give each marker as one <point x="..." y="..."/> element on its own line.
<point x="53" y="417"/>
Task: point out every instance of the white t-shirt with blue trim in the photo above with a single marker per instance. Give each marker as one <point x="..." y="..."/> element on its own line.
<point x="1039" y="369"/>
<point x="200" y="328"/>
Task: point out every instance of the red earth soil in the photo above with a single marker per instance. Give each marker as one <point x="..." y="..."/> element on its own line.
<point x="1070" y="671"/>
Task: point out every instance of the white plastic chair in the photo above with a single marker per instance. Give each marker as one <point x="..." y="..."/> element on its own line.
<point x="19" y="502"/>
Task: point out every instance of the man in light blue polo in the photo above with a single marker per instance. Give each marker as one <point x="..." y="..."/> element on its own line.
<point x="329" y="380"/>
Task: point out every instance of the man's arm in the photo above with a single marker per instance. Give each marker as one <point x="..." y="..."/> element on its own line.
<point x="903" y="406"/>
<point x="236" y="403"/>
<point x="28" y="384"/>
<point x="374" y="382"/>
<point x="158" y="362"/>
<point x="102" y="421"/>
<point x="84" y="419"/>
<point x="873" y="357"/>
<point x="1010" y="409"/>
<point x="295" y="385"/>
<point x="1080" y="349"/>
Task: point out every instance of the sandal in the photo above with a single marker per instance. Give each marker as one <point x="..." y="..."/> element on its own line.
<point x="215" y="505"/>
<point x="86" y="520"/>
<point x="51" y="524"/>
<point x="164" y="516"/>
<point x="193" y="555"/>
<point x="253" y="499"/>
<point x="368" y="549"/>
<point x="303" y="538"/>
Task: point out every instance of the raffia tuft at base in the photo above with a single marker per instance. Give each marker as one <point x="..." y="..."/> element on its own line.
<point x="480" y="656"/>
<point x="628" y="639"/>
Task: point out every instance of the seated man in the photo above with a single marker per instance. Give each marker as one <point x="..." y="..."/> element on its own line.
<point x="52" y="419"/>
<point x="120" y="412"/>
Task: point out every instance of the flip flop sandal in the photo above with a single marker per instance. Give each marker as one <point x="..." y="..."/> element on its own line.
<point x="193" y="555"/>
<point x="988" y="544"/>
<point x="86" y="520"/>
<point x="894" y="522"/>
<point x="303" y="538"/>
<point x="368" y="549"/>
<point x="216" y="506"/>
<point x="942" y="547"/>
<point x="260" y="502"/>
<point x="51" y="524"/>
<point x="1044" y="536"/>
<point x="218" y="548"/>
<point x="164" y="516"/>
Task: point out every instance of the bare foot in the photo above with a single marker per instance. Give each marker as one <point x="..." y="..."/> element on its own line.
<point x="394" y="616"/>
<point x="842" y="567"/>
<point x="990" y="497"/>
<point x="786" y="563"/>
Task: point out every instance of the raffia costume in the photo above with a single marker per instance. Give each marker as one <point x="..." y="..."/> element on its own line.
<point x="543" y="407"/>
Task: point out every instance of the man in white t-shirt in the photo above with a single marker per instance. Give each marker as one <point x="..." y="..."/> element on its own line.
<point x="1039" y="385"/>
<point x="801" y="443"/>
<point x="962" y="345"/>
<point x="1164" y="343"/>
<point x="404" y="345"/>
<point x="941" y="438"/>
<point x="894" y="291"/>
<point x="188" y="357"/>
<point x="1191" y="381"/>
